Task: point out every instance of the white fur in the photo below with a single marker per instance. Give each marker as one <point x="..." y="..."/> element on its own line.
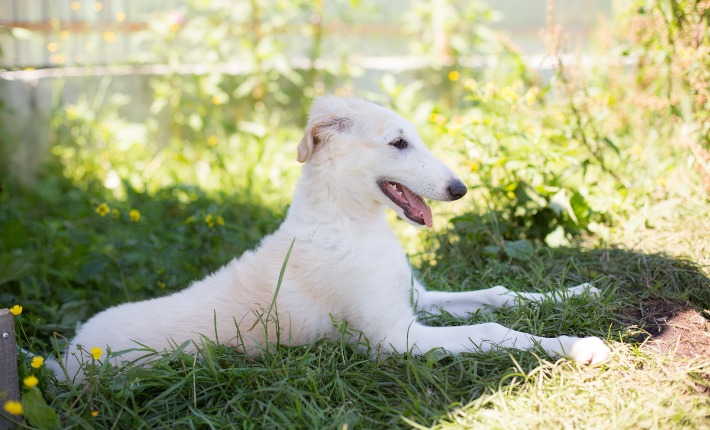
<point x="346" y="264"/>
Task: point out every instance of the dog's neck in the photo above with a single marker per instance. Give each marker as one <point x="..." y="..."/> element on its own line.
<point x="320" y="200"/>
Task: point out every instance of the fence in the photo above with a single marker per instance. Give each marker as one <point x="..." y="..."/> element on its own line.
<point x="54" y="33"/>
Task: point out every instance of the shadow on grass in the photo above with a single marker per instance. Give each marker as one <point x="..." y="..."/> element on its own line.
<point x="76" y="261"/>
<point x="656" y="299"/>
<point x="68" y="251"/>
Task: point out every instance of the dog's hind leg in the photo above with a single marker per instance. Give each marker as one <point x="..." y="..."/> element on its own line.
<point x="459" y="304"/>
<point x="484" y="337"/>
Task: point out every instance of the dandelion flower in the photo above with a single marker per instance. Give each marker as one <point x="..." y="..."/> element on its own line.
<point x="16" y="310"/>
<point x="37" y="362"/>
<point x="135" y="215"/>
<point x="212" y="140"/>
<point x="103" y="209"/>
<point x="94" y="413"/>
<point x="96" y="352"/>
<point x="13" y="408"/>
<point x="454" y="76"/>
<point x="30" y="381"/>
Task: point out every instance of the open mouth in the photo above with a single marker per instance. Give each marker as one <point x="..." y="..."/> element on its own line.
<point x="414" y="207"/>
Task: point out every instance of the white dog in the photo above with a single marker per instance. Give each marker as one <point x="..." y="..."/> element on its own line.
<point x="345" y="262"/>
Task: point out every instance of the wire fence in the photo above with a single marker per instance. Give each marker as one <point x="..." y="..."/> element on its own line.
<point x="67" y="33"/>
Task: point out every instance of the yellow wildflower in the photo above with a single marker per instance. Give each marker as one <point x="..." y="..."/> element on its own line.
<point x="437" y="118"/>
<point x="94" y="413"/>
<point x="475" y="167"/>
<point x="454" y="76"/>
<point x="30" y="381"/>
<point x="16" y="310"/>
<point x="216" y="100"/>
<point x="96" y="352"/>
<point x="13" y="408"/>
<point x="212" y="140"/>
<point x="103" y="209"/>
<point x="37" y="362"/>
<point x="220" y="220"/>
<point x="509" y="94"/>
<point x="135" y="215"/>
<point x="209" y="219"/>
<point x="531" y="96"/>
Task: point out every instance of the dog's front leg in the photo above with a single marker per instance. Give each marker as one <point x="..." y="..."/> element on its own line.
<point x="484" y="337"/>
<point x="459" y="304"/>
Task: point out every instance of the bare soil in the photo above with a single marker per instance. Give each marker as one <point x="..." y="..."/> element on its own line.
<point x="673" y="327"/>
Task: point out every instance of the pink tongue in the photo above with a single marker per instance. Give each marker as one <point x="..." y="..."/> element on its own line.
<point x="417" y="207"/>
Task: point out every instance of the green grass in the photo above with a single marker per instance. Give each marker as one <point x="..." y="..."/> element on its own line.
<point x="69" y="262"/>
<point x="596" y="176"/>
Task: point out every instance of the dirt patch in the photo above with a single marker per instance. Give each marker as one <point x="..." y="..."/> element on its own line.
<point x="673" y="327"/>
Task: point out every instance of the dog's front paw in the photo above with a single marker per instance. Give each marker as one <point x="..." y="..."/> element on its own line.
<point x="585" y="288"/>
<point x="588" y="350"/>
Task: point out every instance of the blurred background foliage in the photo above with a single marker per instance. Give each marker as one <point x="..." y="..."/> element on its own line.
<point x="604" y="137"/>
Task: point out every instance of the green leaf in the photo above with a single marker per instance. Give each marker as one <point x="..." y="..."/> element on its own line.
<point x="12" y="268"/>
<point x="612" y="146"/>
<point x="37" y="412"/>
<point x="519" y="249"/>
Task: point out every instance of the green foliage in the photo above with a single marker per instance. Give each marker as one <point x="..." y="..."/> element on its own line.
<point x="133" y="210"/>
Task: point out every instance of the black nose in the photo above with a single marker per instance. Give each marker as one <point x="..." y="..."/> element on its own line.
<point x="457" y="189"/>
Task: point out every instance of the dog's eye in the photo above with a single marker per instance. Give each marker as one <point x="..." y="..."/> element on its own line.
<point x="399" y="143"/>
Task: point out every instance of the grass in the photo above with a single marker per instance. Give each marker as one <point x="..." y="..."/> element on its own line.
<point x="594" y="177"/>
<point x="70" y="262"/>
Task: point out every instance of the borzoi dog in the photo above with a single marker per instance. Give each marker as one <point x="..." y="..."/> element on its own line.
<point x="345" y="263"/>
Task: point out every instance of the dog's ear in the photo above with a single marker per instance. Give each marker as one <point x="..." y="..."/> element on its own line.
<point x="319" y="133"/>
<point x="329" y="116"/>
<point x="307" y="145"/>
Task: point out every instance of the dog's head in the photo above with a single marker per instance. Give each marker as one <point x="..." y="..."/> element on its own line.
<point x="374" y="155"/>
